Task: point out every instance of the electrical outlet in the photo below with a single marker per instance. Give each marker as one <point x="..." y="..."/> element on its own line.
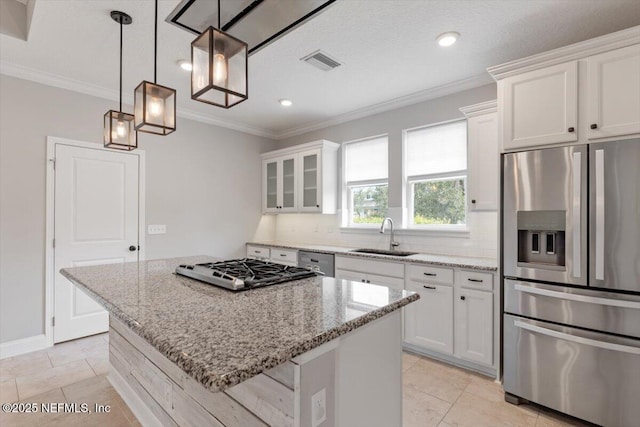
<point x="318" y="408"/>
<point x="157" y="229"/>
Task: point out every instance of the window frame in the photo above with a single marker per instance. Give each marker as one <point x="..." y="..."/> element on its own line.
<point x="347" y="197"/>
<point x="408" y="182"/>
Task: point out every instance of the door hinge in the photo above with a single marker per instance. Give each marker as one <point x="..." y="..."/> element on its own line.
<point x="53" y="163"/>
<point x="54" y="242"/>
<point x="53" y="321"/>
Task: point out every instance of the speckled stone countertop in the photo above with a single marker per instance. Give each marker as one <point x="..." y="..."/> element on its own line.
<point x="220" y="337"/>
<point x="485" y="264"/>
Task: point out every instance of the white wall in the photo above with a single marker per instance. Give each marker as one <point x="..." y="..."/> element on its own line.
<point x="203" y="182"/>
<point x="481" y="241"/>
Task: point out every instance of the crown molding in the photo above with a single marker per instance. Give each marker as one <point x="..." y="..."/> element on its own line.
<point x="55" y="80"/>
<point x="479" y="109"/>
<point x="403" y="101"/>
<point x="572" y="52"/>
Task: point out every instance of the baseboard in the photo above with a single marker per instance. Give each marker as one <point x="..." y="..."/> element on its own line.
<point x="137" y="406"/>
<point x="22" y="346"/>
<point x="484" y="370"/>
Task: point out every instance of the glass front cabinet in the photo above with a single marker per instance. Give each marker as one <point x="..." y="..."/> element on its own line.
<point x="302" y="178"/>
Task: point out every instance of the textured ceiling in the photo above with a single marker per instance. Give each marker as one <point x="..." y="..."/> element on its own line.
<point x="387" y="48"/>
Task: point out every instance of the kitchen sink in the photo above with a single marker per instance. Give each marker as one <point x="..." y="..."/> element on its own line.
<point x="383" y="252"/>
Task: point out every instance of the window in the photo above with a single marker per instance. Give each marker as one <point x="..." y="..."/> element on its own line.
<point x="436" y="171"/>
<point x="365" y="171"/>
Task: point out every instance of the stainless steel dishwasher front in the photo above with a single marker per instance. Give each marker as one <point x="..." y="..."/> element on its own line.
<point x="322" y="261"/>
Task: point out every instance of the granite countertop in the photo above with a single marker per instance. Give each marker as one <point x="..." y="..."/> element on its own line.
<point x="220" y="337"/>
<point x="485" y="264"/>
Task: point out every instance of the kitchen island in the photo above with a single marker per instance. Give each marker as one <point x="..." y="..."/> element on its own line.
<point x="317" y="351"/>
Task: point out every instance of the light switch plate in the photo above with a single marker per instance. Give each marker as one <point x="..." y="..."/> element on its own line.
<point x="157" y="229"/>
<point x="319" y="408"/>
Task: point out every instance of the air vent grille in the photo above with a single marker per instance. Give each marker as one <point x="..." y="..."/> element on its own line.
<point x="321" y="60"/>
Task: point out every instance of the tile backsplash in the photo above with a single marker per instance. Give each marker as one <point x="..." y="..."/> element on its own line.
<point x="480" y="241"/>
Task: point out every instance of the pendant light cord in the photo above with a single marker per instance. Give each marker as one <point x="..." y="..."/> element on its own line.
<point x="155" y="46"/>
<point x="120" y="109"/>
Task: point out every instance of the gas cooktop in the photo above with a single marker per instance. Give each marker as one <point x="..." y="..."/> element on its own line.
<point x="243" y="274"/>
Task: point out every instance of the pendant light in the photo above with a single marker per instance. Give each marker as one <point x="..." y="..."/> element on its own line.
<point x="220" y="68"/>
<point x="119" y="132"/>
<point x="154" y="104"/>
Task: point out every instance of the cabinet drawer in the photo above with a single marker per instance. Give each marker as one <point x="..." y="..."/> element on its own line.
<point x="258" y="252"/>
<point x="422" y="273"/>
<point x="384" y="268"/>
<point x="475" y="280"/>
<point x="284" y="256"/>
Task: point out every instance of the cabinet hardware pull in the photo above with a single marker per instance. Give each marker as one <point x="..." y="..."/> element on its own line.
<point x="594" y="126"/>
<point x="571" y="129"/>
<point x="473" y="201"/>
<point x="363" y="281"/>
<point x="428" y="287"/>
<point x="317" y="206"/>
<point x="368" y="281"/>
<point x="430" y="274"/>
<point x="313" y="260"/>
<point x="475" y="280"/>
<point x="283" y="254"/>
<point x="462" y="297"/>
<point x="132" y="248"/>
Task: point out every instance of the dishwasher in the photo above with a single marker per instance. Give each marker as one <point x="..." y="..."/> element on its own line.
<point x="322" y="262"/>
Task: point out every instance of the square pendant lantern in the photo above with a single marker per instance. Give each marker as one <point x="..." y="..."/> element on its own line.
<point x="155" y="108"/>
<point x="219" y="74"/>
<point x="119" y="132"/>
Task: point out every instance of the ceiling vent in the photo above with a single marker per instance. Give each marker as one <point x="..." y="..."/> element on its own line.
<point x="321" y="60"/>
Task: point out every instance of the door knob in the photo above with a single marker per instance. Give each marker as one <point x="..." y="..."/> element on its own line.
<point x="594" y="126"/>
<point x="132" y="248"/>
<point x="571" y="129"/>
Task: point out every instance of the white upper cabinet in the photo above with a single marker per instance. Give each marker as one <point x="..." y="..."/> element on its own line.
<point x="279" y="184"/>
<point x="482" y="156"/>
<point x="613" y="93"/>
<point x="303" y="178"/>
<point x="540" y="107"/>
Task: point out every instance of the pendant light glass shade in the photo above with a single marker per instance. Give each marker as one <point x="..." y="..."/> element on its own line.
<point x="155" y="108"/>
<point x="119" y="132"/>
<point x="154" y="105"/>
<point x="219" y="74"/>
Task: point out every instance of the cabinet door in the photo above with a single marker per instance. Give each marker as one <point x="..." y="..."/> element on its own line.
<point x="270" y="185"/>
<point x="474" y="325"/>
<point x="287" y="187"/>
<point x="540" y="107"/>
<point x="428" y="322"/>
<point x="310" y="181"/>
<point x="350" y="275"/>
<point x="483" y="168"/>
<point x="392" y="282"/>
<point x="613" y="93"/>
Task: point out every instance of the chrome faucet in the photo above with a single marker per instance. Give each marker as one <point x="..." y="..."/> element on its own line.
<point x="392" y="243"/>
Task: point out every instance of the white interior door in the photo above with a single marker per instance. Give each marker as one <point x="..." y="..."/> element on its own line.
<point x="96" y="222"/>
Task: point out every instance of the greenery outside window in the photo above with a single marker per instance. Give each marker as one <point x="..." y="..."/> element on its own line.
<point x="365" y="171"/>
<point x="436" y="175"/>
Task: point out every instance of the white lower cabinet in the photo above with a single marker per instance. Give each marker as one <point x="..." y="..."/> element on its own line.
<point x="428" y="322"/>
<point x="375" y="279"/>
<point x="474" y="325"/>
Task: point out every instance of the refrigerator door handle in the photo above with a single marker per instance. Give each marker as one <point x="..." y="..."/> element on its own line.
<point x="576" y="339"/>
<point x="576" y="214"/>
<point x="599" y="202"/>
<point x="579" y="298"/>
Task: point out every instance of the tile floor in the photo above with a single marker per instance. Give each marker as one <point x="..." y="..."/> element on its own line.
<point x="435" y="394"/>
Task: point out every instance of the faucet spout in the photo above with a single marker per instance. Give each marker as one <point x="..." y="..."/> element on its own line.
<point x="392" y="243"/>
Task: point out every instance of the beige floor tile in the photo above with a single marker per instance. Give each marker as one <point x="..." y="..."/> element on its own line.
<point x="52" y="378"/>
<point x="548" y="418"/>
<point x="422" y="410"/>
<point x="486" y="388"/>
<point x="38" y="418"/>
<point x="474" y="411"/>
<point x="100" y="365"/>
<point x="408" y="360"/>
<point x="439" y="381"/>
<point x="71" y="351"/>
<point x="24" y="364"/>
<point x="8" y="391"/>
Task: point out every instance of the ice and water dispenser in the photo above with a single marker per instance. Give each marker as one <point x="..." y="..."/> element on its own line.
<point x="541" y="239"/>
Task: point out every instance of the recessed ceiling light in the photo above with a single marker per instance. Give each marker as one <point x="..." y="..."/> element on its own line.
<point x="447" y="39"/>
<point x="185" y="65"/>
<point x="285" y="102"/>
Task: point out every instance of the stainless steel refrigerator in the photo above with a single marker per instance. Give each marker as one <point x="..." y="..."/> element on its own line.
<point x="571" y="267"/>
